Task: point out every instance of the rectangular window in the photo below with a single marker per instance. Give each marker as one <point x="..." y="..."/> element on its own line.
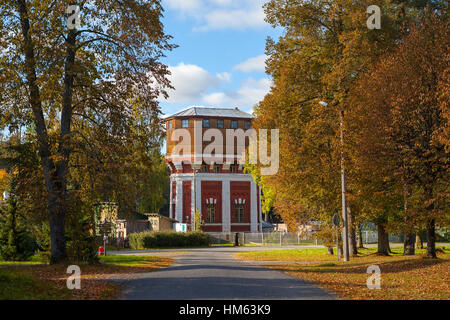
<point x="185" y="123"/>
<point x="217" y="168"/>
<point x="210" y="213"/>
<point x="232" y="168"/>
<point x="239" y="213"/>
<point x="220" y="123"/>
<point x="169" y="124"/>
<point x="247" y="124"/>
<point x="234" y="124"/>
<point x="205" y="123"/>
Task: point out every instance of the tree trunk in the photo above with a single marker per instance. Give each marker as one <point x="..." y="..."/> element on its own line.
<point x="341" y="251"/>
<point x="330" y="250"/>
<point x="57" y="235"/>
<point x="353" y="249"/>
<point x="431" y="239"/>
<point x="431" y="234"/>
<point x="383" y="241"/>
<point x="55" y="172"/>
<point x="360" y="238"/>
<point x="419" y="241"/>
<point x="410" y="238"/>
<point x="409" y="245"/>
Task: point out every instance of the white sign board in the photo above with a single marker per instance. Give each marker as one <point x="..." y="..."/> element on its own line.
<point x="180" y="227"/>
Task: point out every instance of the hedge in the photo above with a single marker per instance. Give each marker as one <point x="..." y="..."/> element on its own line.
<point x="162" y="239"/>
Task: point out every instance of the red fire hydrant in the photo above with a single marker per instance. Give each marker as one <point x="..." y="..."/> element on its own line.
<point x="101" y="251"/>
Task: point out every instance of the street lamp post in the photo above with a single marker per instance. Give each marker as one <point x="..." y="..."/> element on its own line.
<point x="343" y="187"/>
<point x="344" y="190"/>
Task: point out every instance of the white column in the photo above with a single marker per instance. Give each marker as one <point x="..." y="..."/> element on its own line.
<point x="192" y="202"/>
<point x="179" y="202"/>
<point x="260" y="210"/>
<point x="198" y="194"/>
<point x="171" y="199"/>
<point x="226" y="214"/>
<point x="253" y="208"/>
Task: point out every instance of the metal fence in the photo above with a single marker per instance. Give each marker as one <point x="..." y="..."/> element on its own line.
<point x="285" y="238"/>
<point x="372" y="237"/>
<point x="264" y="239"/>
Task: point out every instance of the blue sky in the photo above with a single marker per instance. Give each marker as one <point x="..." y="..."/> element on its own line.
<point x="220" y="58"/>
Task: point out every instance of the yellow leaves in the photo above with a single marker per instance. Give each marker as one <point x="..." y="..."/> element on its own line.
<point x="402" y="278"/>
<point x="4" y="181"/>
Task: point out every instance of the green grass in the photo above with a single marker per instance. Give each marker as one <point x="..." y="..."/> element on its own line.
<point x="127" y="261"/>
<point x="315" y="254"/>
<point x="19" y="286"/>
<point x="34" y="260"/>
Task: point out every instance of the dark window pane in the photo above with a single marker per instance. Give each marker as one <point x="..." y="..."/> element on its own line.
<point x="185" y="123"/>
<point x="239" y="213"/>
<point x="220" y="124"/>
<point x="210" y="213"/>
<point x="234" y="124"/>
<point x="205" y="123"/>
<point x="247" y="124"/>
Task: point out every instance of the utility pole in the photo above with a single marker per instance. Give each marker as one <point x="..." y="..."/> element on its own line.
<point x="344" y="200"/>
<point x="343" y="187"/>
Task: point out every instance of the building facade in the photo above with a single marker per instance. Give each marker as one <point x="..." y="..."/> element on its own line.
<point x="205" y="179"/>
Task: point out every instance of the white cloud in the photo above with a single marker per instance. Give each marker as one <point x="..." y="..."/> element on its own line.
<point x="253" y="64"/>
<point x="233" y="19"/>
<point x="191" y="82"/>
<point x="221" y="14"/>
<point x="184" y="5"/>
<point x="250" y="92"/>
<point x="195" y="85"/>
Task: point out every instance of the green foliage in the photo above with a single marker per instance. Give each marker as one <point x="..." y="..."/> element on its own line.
<point x="161" y="239"/>
<point x="15" y="242"/>
<point x="41" y="233"/>
<point x="198" y="223"/>
<point x="268" y="194"/>
<point x="81" y="244"/>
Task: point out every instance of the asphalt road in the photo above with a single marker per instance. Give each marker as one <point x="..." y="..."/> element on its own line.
<point x="212" y="273"/>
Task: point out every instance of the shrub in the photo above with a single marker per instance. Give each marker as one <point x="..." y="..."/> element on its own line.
<point x="81" y="245"/>
<point x="15" y="242"/>
<point x="164" y="239"/>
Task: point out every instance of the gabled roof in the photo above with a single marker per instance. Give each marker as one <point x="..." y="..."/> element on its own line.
<point x="211" y="112"/>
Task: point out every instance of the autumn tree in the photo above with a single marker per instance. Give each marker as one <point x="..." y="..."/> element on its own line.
<point x="54" y="72"/>
<point x="400" y="116"/>
<point x="325" y="47"/>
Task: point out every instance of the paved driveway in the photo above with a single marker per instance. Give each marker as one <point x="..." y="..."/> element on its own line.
<point x="212" y="273"/>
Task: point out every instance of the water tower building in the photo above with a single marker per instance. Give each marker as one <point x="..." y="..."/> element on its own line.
<point x="228" y="198"/>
